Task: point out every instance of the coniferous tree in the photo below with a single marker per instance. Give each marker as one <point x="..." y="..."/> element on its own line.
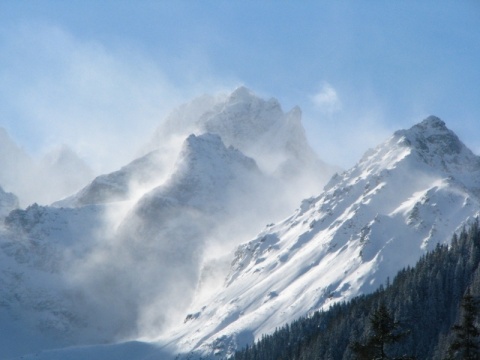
<point x="385" y="331"/>
<point x="466" y="344"/>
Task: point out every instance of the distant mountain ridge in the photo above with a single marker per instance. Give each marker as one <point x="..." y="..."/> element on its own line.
<point x="57" y="174"/>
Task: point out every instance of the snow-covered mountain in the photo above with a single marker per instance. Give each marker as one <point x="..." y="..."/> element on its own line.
<point x="55" y="175"/>
<point x="404" y="197"/>
<point x="164" y="236"/>
<point x="257" y="127"/>
<point x="148" y="250"/>
<point x="409" y="194"/>
<point x="124" y="255"/>
<point x="64" y="171"/>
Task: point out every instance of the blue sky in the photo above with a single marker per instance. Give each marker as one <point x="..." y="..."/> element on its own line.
<point x="100" y="75"/>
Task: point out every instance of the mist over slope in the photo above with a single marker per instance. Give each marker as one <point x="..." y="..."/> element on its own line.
<point x="124" y="256"/>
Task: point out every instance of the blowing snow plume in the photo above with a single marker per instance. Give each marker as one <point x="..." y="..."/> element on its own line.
<point x="260" y="129"/>
<point x="141" y="241"/>
<point x="214" y="198"/>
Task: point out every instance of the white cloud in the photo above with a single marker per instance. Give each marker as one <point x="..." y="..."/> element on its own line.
<point x="327" y="99"/>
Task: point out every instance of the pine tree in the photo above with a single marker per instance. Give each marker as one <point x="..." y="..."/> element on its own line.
<point x="385" y="331"/>
<point x="466" y="344"/>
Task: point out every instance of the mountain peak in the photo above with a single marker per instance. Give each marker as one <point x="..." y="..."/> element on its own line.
<point x="432" y="125"/>
<point x="207" y="153"/>
<point x="433" y="122"/>
<point x="241" y="93"/>
<point x="195" y="140"/>
<point x="431" y="138"/>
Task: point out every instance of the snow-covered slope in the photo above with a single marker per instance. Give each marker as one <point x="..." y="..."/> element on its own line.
<point x="399" y="201"/>
<point x="126" y="276"/>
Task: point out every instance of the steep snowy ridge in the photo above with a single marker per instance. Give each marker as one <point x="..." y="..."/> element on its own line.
<point x="207" y="180"/>
<point x="440" y="148"/>
<point x="260" y="129"/>
<point x="401" y="199"/>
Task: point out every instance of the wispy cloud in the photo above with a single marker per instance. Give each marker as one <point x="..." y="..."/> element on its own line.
<point x="326" y="99"/>
<point x="103" y="101"/>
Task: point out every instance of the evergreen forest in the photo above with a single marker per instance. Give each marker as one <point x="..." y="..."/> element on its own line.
<point x="428" y="311"/>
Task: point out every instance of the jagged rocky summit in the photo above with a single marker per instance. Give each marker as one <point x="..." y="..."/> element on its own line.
<point x="256" y="127"/>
